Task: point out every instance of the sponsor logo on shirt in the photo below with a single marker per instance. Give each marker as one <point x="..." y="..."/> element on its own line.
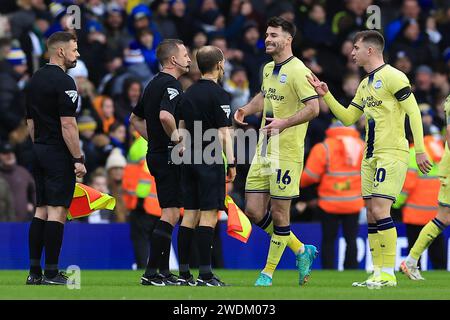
<point x="73" y="94"/>
<point x="172" y="93"/>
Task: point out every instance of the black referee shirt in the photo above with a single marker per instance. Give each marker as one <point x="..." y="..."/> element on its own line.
<point x="51" y="94"/>
<point x="162" y="93"/>
<point x="208" y="102"/>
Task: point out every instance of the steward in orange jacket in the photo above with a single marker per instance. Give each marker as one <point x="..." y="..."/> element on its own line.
<point x="335" y="164"/>
<point x="141" y="199"/>
<point x="419" y="199"/>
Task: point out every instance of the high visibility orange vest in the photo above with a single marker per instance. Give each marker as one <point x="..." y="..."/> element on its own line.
<point x="422" y="190"/>
<point x="339" y="179"/>
<point x="139" y="183"/>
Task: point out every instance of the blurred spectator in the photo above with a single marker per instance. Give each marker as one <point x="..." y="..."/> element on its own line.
<point x="413" y="43"/>
<point x="85" y="88"/>
<point x="410" y="12"/>
<point x="115" y="165"/>
<point x="427" y="114"/>
<point x="141" y="18"/>
<point x="352" y="18"/>
<point x="316" y="29"/>
<point x="6" y="202"/>
<point x="114" y="68"/>
<point x="98" y="181"/>
<point x="104" y="106"/>
<point x="117" y="135"/>
<point x="232" y="56"/>
<point x="87" y="126"/>
<point x="403" y="63"/>
<point x="144" y="42"/>
<point x="20" y="182"/>
<point x="183" y="21"/>
<point x="129" y="98"/>
<point x="255" y="57"/>
<point x="117" y="37"/>
<point x="163" y="22"/>
<point x="238" y="87"/>
<point x="135" y="67"/>
<point x="13" y="78"/>
<point x="424" y="90"/>
<point x="32" y="41"/>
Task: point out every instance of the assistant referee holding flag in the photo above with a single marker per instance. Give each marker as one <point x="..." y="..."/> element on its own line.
<point x="51" y="106"/>
<point x="155" y="118"/>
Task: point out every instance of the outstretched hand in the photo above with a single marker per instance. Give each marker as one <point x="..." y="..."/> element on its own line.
<point x="320" y="86"/>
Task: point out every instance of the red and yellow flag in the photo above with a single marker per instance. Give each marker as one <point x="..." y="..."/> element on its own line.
<point x="87" y="200"/>
<point x="239" y="226"/>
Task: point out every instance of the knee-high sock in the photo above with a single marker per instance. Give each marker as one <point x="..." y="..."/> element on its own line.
<point x="161" y="239"/>
<point x="53" y="238"/>
<point x="185" y="236"/>
<point x="205" y="244"/>
<point x="36" y="244"/>
<point x="278" y="242"/>
<point x="293" y="243"/>
<point x="375" y="248"/>
<point x="427" y="235"/>
<point x="388" y="243"/>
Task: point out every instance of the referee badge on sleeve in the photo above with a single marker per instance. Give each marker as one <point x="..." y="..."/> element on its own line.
<point x="72" y="95"/>
<point x="226" y="108"/>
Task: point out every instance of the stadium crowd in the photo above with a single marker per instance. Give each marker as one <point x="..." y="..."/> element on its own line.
<point x="117" y="40"/>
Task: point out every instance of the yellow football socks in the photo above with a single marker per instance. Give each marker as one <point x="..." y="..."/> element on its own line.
<point x="387" y="234"/>
<point x="429" y="232"/>
<point x="277" y="245"/>
<point x="375" y="249"/>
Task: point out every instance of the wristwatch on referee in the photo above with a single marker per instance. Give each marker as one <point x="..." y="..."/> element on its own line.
<point x="78" y="160"/>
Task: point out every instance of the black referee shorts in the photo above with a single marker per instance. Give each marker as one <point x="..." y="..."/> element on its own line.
<point x="54" y="175"/>
<point x="167" y="178"/>
<point x="203" y="187"/>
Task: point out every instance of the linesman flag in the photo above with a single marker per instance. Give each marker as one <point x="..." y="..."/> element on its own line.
<point x="239" y="226"/>
<point x="87" y="200"/>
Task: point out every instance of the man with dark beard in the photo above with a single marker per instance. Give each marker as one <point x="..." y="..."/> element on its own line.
<point x="51" y="106"/>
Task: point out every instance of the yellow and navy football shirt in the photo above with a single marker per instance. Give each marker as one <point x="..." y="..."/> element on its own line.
<point x="379" y="95"/>
<point x="285" y="89"/>
<point x="445" y="162"/>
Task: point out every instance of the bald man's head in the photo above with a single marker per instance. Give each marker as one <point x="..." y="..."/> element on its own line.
<point x="208" y="58"/>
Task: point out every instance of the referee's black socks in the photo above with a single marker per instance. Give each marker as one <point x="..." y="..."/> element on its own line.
<point x="36" y="244"/>
<point x="159" y="247"/>
<point x="53" y="237"/>
<point x="205" y="243"/>
<point x="185" y="236"/>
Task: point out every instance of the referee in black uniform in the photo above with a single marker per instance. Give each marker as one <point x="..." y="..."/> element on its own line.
<point x="155" y="118"/>
<point x="51" y="105"/>
<point x="205" y="107"/>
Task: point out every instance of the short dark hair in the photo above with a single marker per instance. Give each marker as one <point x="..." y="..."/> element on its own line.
<point x="60" y="36"/>
<point x="167" y="48"/>
<point x="208" y="57"/>
<point x="285" y="25"/>
<point x="370" y="36"/>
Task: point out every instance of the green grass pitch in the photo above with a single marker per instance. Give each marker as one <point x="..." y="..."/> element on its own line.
<point x="323" y="285"/>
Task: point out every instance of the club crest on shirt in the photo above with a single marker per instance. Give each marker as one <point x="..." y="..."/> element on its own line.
<point x="172" y="93"/>
<point x="283" y="78"/>
<point x="72" y="95"/>
<point x="377" y="84"/>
